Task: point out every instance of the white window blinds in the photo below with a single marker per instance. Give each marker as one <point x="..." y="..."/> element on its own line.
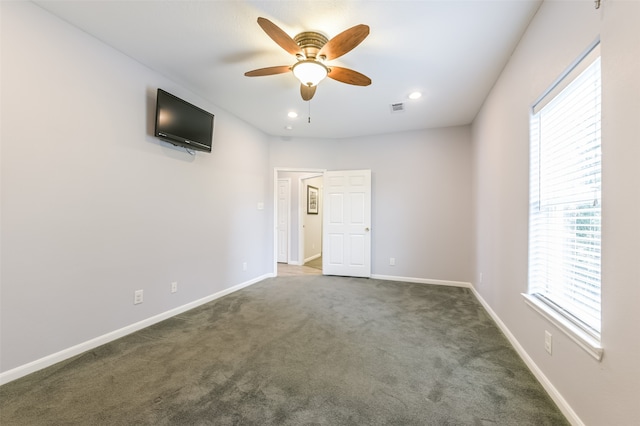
<point x="564" y="196"/>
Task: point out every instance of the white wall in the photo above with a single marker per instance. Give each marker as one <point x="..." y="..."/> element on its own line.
<point x="421" y="196"/>
<point x="608" y="392"/>
<point x="94" y="207"/>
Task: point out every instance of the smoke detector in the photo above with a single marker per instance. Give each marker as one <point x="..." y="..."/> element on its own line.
<point x="397" y="107"/>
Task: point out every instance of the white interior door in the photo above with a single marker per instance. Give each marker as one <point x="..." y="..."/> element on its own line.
<point x="283" y="210"/>
<point x="346" y="248"/>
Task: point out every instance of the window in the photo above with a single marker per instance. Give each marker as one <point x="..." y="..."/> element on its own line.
<point x="564" y="202"/>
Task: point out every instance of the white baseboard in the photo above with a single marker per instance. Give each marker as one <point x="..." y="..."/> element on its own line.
<point x="39" y="364"/>
<point x="421" y="280"/>
<point x="566" y="409"/>
<point x="314" y="257"/>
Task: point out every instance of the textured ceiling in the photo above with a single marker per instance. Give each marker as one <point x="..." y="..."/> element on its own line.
<point x="452" y="51"/>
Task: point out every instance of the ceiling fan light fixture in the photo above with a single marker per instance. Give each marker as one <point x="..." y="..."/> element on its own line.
<point x="311" y="49"/>
<point x="310" y="72"/>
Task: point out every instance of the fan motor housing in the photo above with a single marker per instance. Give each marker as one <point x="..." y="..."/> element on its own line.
<point x="310" y="42"/>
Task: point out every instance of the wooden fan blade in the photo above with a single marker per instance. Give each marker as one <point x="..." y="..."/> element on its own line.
<point x="279" y="36"/>
<point x="345" y="75"/>
<point x="344" y="42"/>
<point x="307" y="92"/>
<point x="268" y="71"/>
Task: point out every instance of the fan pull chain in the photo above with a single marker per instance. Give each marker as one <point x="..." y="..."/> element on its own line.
<point x="309" y="118"/>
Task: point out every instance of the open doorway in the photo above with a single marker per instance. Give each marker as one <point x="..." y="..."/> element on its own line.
<point x="345" y="242"/>
<point x="311" y="230"/>
<point x="298" y="221"/>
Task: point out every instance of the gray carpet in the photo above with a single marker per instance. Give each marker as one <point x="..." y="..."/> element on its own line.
<point x="309" y="350"/>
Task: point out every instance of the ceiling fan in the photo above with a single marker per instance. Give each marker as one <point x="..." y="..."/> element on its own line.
<point x="312" y="50"/>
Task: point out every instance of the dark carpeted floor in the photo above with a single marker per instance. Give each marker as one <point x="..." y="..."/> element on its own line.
<point x="309" y="350"/>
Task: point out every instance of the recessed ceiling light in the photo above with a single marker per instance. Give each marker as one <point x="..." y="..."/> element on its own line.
<point x="292" y="114"/>
<point x="415" y="95"/>
<point x="289" y="127"/>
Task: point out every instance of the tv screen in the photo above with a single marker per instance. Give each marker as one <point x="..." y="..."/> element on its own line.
<point x="183" y="124"/>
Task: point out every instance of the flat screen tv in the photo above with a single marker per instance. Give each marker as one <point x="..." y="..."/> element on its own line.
<point x="183" y="124"/>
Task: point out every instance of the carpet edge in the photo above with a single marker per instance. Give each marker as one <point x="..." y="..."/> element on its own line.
<point x="422" y="280"/>
<point x="49" y="360"/>
<point x="557" y="397"/>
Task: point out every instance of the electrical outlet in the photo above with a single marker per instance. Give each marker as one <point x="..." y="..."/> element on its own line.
<point x="392" y="261"/>
<point x="137" y="297"/>
<point x="547" y="341"/>
<point x="174" y="287"/>
<point x="244" y="266"/>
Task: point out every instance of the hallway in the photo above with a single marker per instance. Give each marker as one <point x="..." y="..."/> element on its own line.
<point x="313" y="267"/>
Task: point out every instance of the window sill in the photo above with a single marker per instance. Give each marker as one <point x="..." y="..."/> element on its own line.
<point x="584" y="340"/>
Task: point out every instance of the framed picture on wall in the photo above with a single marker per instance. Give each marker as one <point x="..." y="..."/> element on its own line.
<point x="312" y="200"/>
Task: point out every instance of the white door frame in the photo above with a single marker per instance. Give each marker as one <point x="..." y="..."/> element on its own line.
<point x="276" y="170"/>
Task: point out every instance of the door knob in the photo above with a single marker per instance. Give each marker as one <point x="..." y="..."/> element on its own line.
<point x="366" y="229"/>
